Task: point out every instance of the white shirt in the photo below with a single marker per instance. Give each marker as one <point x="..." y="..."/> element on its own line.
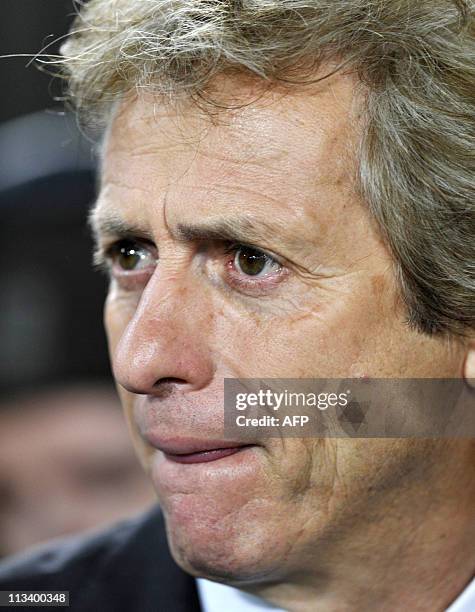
<point x="215" y="597"/>
<point x="465" y="602"/>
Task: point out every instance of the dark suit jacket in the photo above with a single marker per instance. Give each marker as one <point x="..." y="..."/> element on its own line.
<point x="127" y="568"/>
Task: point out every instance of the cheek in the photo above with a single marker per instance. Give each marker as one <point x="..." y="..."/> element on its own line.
<point x="348" y="327"/>
<point x="318" y="340"/>
<point x="143" y="451"/>
<point x="118" y="312"/>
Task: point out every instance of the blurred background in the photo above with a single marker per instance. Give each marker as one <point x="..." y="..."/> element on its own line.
<point x="66" y="462"/>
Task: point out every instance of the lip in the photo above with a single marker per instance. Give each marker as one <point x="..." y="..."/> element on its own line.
<point x="205" y="456"/>
<point x="195" y="450"/>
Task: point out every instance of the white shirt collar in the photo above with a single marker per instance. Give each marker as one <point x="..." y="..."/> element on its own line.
<point x="465" y="602"/>
<point x="215" y="597"/>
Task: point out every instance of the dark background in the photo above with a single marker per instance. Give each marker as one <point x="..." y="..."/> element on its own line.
<point x="50" y="299"/>
<point x="27" y="26"/>
<point x="66" y="463"/>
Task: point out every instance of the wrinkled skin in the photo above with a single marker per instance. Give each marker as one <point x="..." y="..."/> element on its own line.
<point x="315" y="524"/>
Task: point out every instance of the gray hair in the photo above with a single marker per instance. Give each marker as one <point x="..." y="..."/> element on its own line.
<point x="416" y="59"/>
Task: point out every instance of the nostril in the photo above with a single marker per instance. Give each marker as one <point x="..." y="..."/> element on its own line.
<point x="164" y="386"/>
<point x="170" y="379"/>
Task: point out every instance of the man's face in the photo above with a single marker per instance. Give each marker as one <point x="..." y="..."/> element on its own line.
<point x="189" y="305"/>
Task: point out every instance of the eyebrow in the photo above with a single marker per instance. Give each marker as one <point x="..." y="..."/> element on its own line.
<point x="111" y="225"/>
<point x="239" y="229"/>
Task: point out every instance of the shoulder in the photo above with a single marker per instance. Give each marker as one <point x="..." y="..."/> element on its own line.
<point x="71" y="556"/>
<point x="115" y="569"/>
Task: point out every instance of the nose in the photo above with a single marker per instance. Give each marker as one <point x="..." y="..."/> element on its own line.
<point x="166" y="340"/>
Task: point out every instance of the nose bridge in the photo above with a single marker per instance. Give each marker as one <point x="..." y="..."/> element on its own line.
<point x="167" y="337"/>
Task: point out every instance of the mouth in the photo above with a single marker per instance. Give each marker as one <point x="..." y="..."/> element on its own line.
<point x="191" y="450"/>
<point x="205" y="456"/>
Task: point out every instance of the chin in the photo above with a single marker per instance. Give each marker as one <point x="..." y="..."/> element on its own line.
<point x="231" y="549"/>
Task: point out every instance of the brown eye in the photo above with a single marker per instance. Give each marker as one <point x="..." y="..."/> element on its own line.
<point x="253" y="262"/>
<point x="130" y="255"/>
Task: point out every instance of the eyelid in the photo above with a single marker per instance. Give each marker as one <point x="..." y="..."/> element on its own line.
<point x="284" y="261"/>
<point x="103" y="251"/>
<point x="254" y="286"/>
<point x="232" y="247"/>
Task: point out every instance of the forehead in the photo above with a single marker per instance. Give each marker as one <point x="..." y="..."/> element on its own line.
<point x="276" y="148"/>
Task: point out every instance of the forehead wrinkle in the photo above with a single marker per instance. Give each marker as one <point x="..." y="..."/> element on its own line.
<point x="241" y="154"/>
<point x="234" y="142"/>
<point x="252" y="150"/>
<point x="226" y="194"/>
